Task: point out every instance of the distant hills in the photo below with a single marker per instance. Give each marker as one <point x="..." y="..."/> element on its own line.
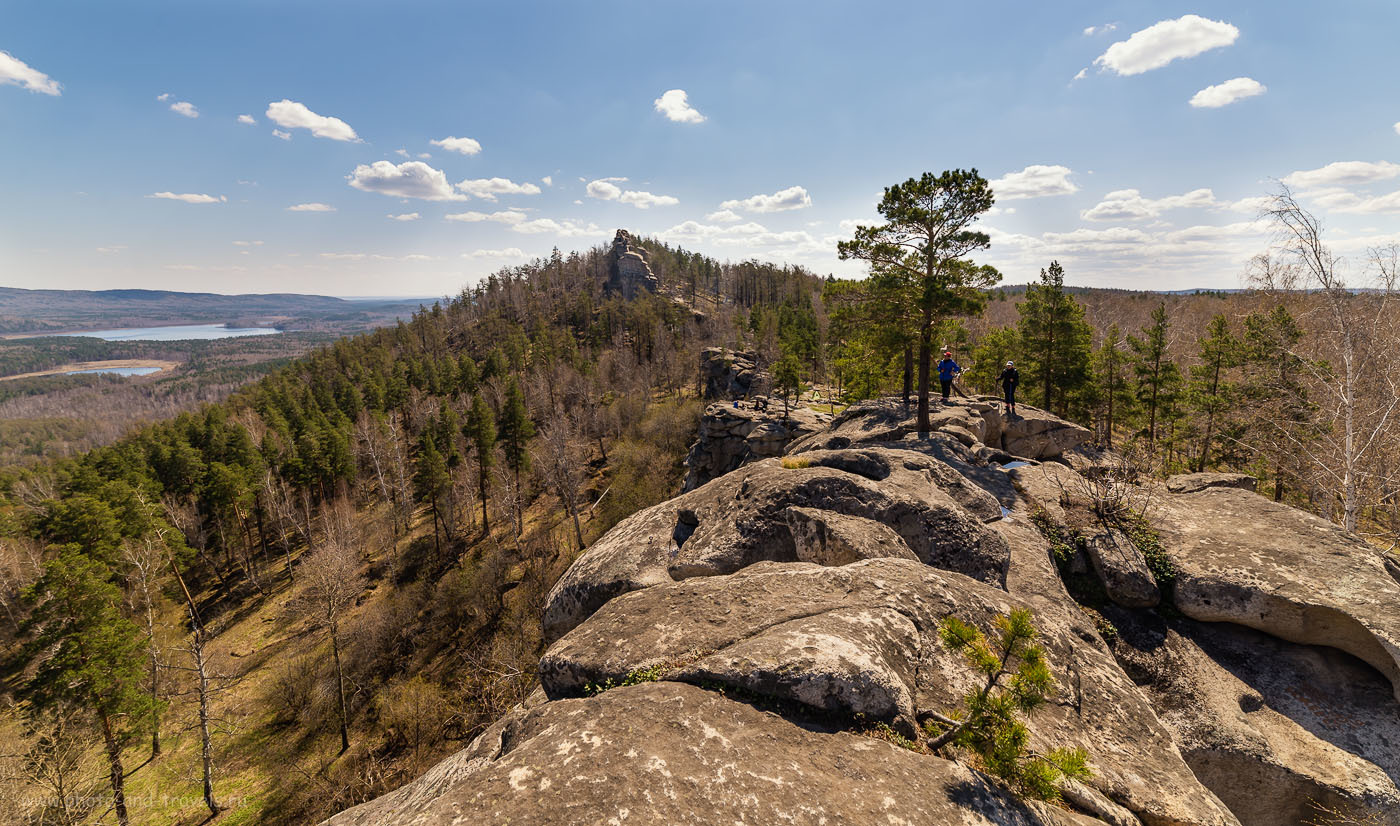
<point x="24" y="311"/>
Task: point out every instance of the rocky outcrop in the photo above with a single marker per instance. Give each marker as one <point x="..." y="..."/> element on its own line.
<point x="1122" y="570"/>
<point x="732" y="374"/>
<point x="1194" y="482"/>
<point x="739" y="519"/>
<point x="733" y="434"/>
<point x="670" y="753"/>
<point x="629" y="273"/>
<point x="1243" y="559"/>
<point x="775" y="635"/>
<point x="976" y="423"/>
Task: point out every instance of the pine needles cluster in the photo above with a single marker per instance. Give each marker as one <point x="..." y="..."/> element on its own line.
<point x="1017" y="681"/>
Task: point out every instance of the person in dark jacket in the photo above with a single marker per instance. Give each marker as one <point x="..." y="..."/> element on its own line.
<point x="947" y="371"/>
<point x="1010" y="377"/>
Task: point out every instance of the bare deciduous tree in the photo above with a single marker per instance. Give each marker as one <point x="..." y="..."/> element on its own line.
<point x="332" y="583"/>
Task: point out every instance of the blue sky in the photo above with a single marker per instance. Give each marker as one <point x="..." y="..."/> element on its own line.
<point x="758" y="129"/>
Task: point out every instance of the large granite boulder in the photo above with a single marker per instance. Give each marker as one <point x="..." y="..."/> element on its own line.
<point x="830" y="538"/>
<point x="1243" y="559"/>
<point x="861" y="642"/>
<point x="1123" y="570"/>
<point x="732" y="374"/>
<point x="629" y="269"/>
<point x="739" y="519"/>
<point x="734" y="434"/>
<point x="1194" y="482"/>
<point x="669" y="754"/>
<point x="1274" y="728"/>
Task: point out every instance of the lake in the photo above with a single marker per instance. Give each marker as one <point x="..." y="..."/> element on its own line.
<point x="181" y="332"/>
<point x="118" y="371"/>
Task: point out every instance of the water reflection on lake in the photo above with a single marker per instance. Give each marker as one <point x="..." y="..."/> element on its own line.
<point x="182" y="332"/>
<point x="118" y="371"/>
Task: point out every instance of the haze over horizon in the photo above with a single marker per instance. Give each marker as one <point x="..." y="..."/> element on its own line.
<point x="410" y="149"/>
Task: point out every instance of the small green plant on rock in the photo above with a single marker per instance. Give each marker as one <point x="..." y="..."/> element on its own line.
<point x="1017" y="681"/>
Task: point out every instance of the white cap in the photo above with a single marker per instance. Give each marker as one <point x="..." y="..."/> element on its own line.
<point x="1009" y="364"/>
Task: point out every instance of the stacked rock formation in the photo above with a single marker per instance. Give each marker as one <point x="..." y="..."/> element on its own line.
<point x="629" y="272"/>
<point x="731" y="374"/>
<point x="734" y="434"/>
<point x="761" y="628"/>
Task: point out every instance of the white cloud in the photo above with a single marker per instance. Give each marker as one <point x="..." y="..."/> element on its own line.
<point x="564" y="229"/>
<point x="1224" y="94"/>
<point x="1036" y="181"/>
<point x="674" y="105"/>
<point x="547" y="180"/>
<point x="794" y="197"/>
<point x="278" y="133"/>
<point x="163" y="96"/>
<point x="605" y="190"/>
<point x="312" y="207"/>
<point x="247" y="243"/>
<point x="188" y="197"/>
<point x="184" y="107"/>
<point x="1343" y="173"/>
<point x="344" y="256"/>
<point x="1351" y="203"/>
<point x="1165" y="41"/>
<point x="1397" y="128"/>
<point x="290" y="114"/>
<point x="1080" y="75"/>
<point x="1130" y="205"/>
<point x="1093" y="30"/>
<point x="112" y="250"/>
<point x="748" y="234"/>
<point x="425" y="155"/>
<point x="646" y="200"/>
<point x="402" y="153"/>
<point x="488" y="188"/>
<point x="411" y="179"/>
<point x="246" y="119"/>
<point x="406" y="216"/>
<point x="508" y="216"/>
<point x="1253" y="204"/>
<point x="508" y="252"/>
<point x="465" y="146"/>
<point x="724" y="216"/>
<point x="17" y="73"/>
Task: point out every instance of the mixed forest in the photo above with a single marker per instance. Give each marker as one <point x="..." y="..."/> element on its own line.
<point x="271" y="607"/>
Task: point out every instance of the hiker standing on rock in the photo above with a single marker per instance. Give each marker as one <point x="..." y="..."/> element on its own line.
<point x="1010" y="377"/>
<point x="947" y="371"/>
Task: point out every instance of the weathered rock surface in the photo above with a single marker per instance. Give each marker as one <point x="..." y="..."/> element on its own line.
<point x="1123" y="571"/>
<point x="1032" y="434"/>
<point x="862" y="639"/>
<point x="829" y="538"/>
<point x="732" y="374"/>
<point x="1193" y="482"/>
<point x="669" y="753"/>
<point x="734" y="434"/>
<point x="738" y="520"/>
<point x="1241" y="558"/>
<point x="1271" y="726"/>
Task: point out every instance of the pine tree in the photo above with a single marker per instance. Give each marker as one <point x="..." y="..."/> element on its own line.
<point x="1212" y="393"/>
<point x="1158" y="379"/>
<point x="516" y="430"/>
<point x="480" y="431"/>
<point x="431" y="482"/>
<point x="787" y="375"/>
<point x="92" y="656"/>
<point x="917" y="258"/>
<point x="1055" y="342"/>
<point x="1274" y="389"/>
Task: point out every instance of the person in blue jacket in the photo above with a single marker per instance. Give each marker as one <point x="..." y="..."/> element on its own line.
<point x="947" y="371"/>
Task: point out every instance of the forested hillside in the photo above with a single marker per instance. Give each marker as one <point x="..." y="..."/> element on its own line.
<point x="288" y="602"/>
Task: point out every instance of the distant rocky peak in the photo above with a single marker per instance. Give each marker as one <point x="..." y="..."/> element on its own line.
<point x="629" y="270"/>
